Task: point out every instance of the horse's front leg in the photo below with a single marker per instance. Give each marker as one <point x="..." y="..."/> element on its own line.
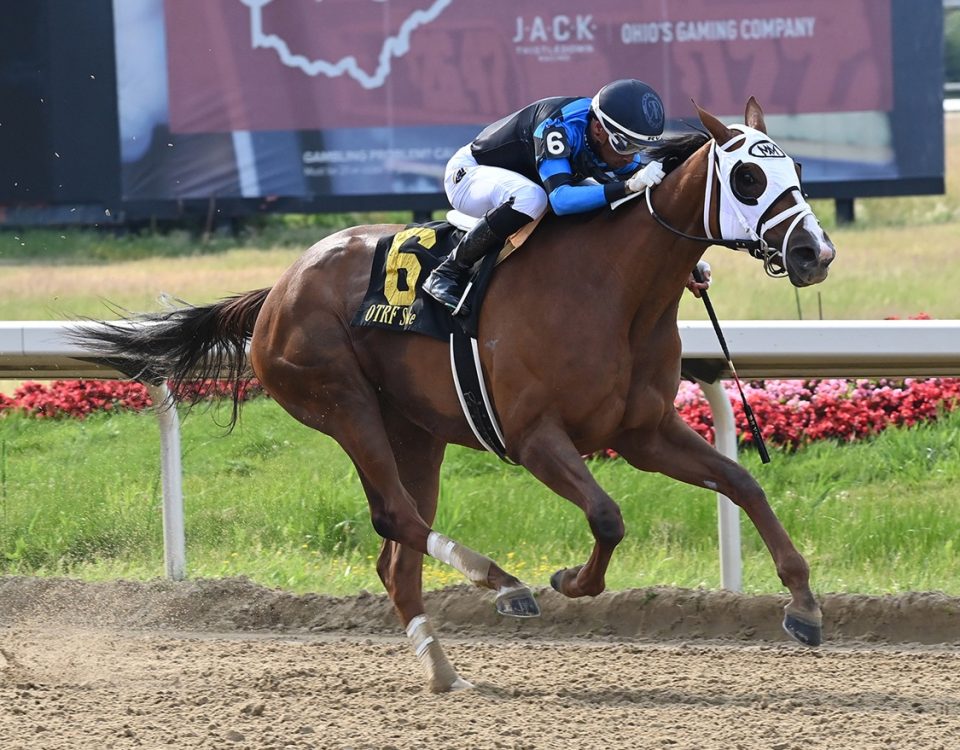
<point x="679" y="452"/>
<point x="552" y="458"/>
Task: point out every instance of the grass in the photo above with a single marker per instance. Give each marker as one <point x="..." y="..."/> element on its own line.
<point x="879" y="272"/>
<point x="66" y="290"/>
<point x="896" y="260"/>
<point x="281" y="504"/>
<point x="108" y="245"/>
<point x="54" y="275"/>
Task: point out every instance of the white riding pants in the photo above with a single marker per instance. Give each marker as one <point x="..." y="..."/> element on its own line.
<point x="482" y="188"/>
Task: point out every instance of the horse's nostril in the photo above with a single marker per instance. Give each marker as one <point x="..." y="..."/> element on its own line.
<point x="805" y="255"/>
<point x="827" y="254"/>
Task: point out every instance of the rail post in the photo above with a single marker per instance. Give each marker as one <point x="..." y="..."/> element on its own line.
<point x="728" y="514"/>
<point x="171" y="472"/>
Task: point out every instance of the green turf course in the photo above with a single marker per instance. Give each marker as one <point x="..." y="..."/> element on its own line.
<point x="281" y="504"/>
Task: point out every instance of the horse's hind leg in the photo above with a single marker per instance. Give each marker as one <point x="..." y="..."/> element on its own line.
<point x="679" y="452"/>
<point x="418" y="457"/>
<point x="334" y="397"/>
<point x="395" y="517"/>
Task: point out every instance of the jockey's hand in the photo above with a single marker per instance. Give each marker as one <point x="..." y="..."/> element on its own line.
<point x="647" y="177"/>
<point x="698" y="287"/>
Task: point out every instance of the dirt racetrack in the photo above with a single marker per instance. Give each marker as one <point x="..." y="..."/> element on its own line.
<point x="228" y="664"/>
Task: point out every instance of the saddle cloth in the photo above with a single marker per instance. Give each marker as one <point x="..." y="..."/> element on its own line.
<point x="395" y="301"/>
<point x="402" y="262"/>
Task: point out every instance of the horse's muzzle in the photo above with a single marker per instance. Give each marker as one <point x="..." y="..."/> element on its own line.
<point x="809" y="263"/>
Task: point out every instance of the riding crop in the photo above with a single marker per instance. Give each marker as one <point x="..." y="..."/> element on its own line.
<point x="747" y="411"/>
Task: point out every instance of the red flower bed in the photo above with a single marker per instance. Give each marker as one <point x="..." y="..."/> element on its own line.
<point x="78" y="398"/>
<point x="791" y="413"/>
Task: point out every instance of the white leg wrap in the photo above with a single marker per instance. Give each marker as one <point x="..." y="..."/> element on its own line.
<point x="420" y="632"/>
<point x="473" y="565"/>
<point x="441" y="675"/>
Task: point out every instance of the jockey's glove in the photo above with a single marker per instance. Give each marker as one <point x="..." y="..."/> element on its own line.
<point x="647" y="177"/>
<point x="706" y="272"/>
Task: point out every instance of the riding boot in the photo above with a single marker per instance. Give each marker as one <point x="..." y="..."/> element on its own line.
<point x="447" y="282"/>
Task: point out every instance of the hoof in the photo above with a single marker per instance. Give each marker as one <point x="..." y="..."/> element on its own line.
<point x="451" y="687"/>
<point x="565" y="574"/>
<point x="517" y="602"/>
<point x="555" y="580"/>
<point x="805" y="632"/>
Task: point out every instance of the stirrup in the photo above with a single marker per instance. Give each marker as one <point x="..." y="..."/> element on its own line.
<point x="446" y="291"/>
<point x="448" y="284"/>
<point x="463" y="309"/>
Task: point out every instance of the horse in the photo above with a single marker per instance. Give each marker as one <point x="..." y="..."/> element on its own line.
<point x="579" y="346"/>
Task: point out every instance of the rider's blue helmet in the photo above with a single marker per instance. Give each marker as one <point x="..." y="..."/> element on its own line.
<point x="632" y="114"/>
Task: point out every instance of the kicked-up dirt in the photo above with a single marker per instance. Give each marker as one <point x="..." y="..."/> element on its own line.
<point x="229" y="664"/>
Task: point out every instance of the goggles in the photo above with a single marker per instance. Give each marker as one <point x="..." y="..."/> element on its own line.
<point x="621" y="144"/>
<point x="620" y="141"/>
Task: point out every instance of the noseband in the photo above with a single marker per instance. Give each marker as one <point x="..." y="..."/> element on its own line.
<point x="754" y="147"/>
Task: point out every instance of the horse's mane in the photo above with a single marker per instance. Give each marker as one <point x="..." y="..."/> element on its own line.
<point x="674" y="151"/>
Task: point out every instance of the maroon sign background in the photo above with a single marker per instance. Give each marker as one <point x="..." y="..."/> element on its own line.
<point x="476" y="61"/>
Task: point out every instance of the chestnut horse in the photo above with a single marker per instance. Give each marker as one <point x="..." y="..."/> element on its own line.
<point x="579" y="344"/>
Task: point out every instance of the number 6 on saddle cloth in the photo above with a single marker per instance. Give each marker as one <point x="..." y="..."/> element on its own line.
<point x="394" y="301"/>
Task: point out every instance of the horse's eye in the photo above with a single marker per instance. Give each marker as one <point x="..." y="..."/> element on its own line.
<point x="748" y="183"/>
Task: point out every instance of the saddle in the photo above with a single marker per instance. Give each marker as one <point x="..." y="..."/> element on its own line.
<point x="395" y="301"/>
<point x="465" y="222"/>
<point x="401" y="263"/>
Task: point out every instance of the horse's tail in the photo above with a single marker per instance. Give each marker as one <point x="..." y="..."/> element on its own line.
<point x="183" y="345"/>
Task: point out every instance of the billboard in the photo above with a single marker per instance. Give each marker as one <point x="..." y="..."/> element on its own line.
<point x="318" y="99"/>
<point x="357" y="104"/>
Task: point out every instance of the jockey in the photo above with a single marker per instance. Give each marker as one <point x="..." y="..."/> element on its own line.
<point x="565" y="153"/>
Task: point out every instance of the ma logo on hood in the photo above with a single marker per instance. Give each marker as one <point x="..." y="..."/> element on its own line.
<point x="766" y="149"/>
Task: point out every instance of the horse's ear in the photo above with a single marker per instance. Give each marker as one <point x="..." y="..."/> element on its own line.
<point x="753" y="117"/>
<point x="720" y="132"/>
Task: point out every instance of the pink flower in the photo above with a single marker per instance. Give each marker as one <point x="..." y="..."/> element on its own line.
<point x="78" y="398"/>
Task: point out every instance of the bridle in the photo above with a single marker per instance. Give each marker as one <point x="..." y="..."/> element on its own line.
<point x="752" y="146"/>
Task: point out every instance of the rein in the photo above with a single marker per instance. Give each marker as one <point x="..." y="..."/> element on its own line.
<point x="751" y="246"/>
<point x="774" y="259"/>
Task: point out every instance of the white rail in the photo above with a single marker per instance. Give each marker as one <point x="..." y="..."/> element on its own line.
<point x="39" y="350"/>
